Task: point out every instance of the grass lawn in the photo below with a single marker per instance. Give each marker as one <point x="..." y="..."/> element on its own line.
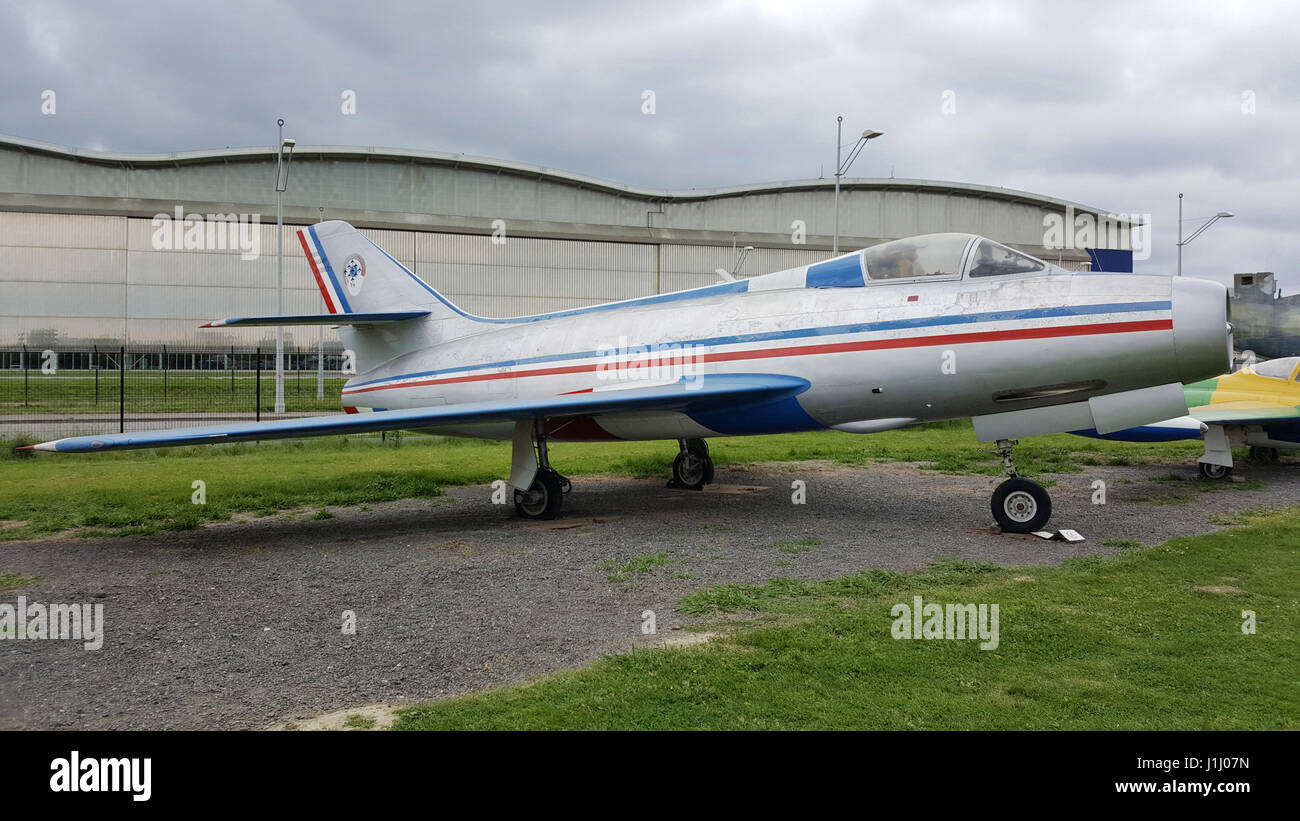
<point x="133" y="492"/>
<point x="1127" y="642"/>
<point x="1098" y="643"/>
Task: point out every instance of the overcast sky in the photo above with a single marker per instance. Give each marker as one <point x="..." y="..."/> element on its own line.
<point x="1117" y="105"/>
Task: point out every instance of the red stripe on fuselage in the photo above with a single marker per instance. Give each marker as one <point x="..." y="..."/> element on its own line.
<point x="320" y="283"/>
<point x="810" y="350"/>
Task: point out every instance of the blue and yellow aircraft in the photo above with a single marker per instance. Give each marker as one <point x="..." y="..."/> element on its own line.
<point x="1258" y="407"/>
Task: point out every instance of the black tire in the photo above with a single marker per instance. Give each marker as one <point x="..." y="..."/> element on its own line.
<point x="692" y="471"/>
<point x="544" y="497"/>
<point x="1265" y="456"/>
<point x="1021" y="506"/>
<point x="1213" y="472"/>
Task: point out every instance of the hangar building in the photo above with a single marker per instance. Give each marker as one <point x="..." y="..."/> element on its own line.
<point x="85" y="262"/>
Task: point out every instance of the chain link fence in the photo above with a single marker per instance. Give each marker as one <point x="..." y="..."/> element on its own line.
<point x="52" y="393"/>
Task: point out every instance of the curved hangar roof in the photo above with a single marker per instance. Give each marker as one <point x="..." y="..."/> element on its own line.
<point x="436" y="191"/>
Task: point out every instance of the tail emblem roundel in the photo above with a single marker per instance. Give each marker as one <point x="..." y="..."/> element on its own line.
<point x="354" y="271"/>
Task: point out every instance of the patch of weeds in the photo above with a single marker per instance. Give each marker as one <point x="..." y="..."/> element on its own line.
<point x="1192" y="488"/>
<point x="1125" y="544"/>
<point x="639" y="564"/>
<point x="1243" y="517"/>
<point x="796" y="545"/>
<point x="8" y="580"/>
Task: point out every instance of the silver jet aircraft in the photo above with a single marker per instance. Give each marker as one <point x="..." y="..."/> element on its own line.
<point x="928" y="328"/>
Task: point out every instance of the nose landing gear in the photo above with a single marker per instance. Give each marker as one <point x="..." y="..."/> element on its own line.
<point x="1019" y="505"/>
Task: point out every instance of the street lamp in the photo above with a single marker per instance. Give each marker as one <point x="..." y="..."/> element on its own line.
<point x="320" y="335"/>
<point x="841" y="168"/>
<point x="1196" y="233"/>
<point x="281" y="185"/>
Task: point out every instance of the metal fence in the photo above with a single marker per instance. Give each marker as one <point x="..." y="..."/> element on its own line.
<point x="51" y="393"/>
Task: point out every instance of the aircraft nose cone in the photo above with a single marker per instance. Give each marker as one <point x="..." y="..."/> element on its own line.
<point x="1202" y="336"/>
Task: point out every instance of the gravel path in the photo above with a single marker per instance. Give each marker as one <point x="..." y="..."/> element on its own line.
<point x="239" y="625"/>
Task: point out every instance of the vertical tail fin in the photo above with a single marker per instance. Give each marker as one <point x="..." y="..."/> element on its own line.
<point x="356" y="276"/>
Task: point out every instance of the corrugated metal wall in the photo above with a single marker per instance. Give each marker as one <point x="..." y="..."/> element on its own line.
<point x="100" y="280"/>
<point x="519" y="275"/>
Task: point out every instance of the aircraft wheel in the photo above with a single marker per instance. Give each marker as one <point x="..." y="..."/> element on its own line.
<point x="1265" y="456"/>
<point x="543" y="498"/>
<point x="1214" y="472"/>
<point x="692" y="470"/>
<point x="1021" y="506"/>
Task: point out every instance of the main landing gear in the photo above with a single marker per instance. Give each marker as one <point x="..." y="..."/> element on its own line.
<point x="1265" y="456"/>
<point x="1214" y="472"/>
<point x="693" y="467"/>
<point x="1258" y="456"/>
<point x="1019" y="505"/>
<point x="545" y="496"/>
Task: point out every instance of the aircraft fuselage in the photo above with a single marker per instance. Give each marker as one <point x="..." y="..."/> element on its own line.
<point x="898" y="352"/>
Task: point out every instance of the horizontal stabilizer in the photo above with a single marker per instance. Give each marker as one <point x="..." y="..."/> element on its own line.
<point x="317" y="319"/>
<point x="731" y="393"/>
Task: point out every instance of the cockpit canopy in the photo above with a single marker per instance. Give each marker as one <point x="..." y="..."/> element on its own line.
<point x="946" y="255"/>
<point x="928" y="257"/>
<point x="1278" y="368"/>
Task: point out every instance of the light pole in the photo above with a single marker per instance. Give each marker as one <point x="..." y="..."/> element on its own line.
<point x="841" y="168"/>
<point x="320" y="337"/>
<point x="283" y="157"/>
<point x="1196" y="233"/>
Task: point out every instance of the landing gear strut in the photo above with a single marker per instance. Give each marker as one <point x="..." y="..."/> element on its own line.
<point x="693" y="467"/>
<point x="1019" y="505"/>
<point x="545" y="496"/>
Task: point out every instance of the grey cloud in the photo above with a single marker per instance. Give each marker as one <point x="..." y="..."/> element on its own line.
<point x="1119" y="105"/>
